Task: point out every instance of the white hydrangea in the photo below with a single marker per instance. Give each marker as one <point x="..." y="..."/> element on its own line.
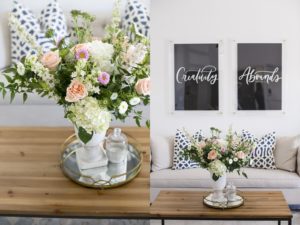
<point x="88" y="114"/>
<point x="102" y="54"/>
<point x="134" y="55"/>
<point x="217" y="167"/>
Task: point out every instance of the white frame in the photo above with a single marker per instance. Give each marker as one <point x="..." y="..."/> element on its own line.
<point x="234" y="57"/>
<point x="170" y="80"/>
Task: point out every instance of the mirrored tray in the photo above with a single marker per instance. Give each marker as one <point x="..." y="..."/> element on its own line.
<point x="237" y="202"/>
<point x="110" y="176"/>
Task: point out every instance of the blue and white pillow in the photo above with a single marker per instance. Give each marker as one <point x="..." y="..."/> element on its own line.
<point x="137" y="14"/>
<point x="32" y="27"/>
<point x="262" y="155"/>
<point x="182" y="141"/>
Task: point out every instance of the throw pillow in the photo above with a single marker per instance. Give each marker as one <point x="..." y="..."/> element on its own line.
<point x="137" y="14"/>
<point x="262" y="155"/>
<point x="181" y="141"/>
<point x="24" y="19"/>
<point x="286" y="153"/>
<point x="162" y="150"/>
<point x="52" y="17"/>
<point x="298" y="161"/>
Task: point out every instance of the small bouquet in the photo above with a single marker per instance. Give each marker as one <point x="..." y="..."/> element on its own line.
<point x="93" y="79"/>
<point x="218" y="155"/>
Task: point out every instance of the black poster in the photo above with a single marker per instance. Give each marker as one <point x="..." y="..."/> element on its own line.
<point x="259" y="76"/>
<point x="196" y="73"/>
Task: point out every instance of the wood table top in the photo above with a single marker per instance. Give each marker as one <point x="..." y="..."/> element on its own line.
<point x="189" y="205"/>
<point x="32" y="183"/>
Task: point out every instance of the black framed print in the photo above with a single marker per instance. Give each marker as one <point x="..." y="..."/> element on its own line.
<point x="259" y="76"/>
<point x="196" y="77"/>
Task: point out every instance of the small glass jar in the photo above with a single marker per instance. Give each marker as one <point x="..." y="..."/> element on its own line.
<point x="116" y="146"/>
<point x="230" y="192"/>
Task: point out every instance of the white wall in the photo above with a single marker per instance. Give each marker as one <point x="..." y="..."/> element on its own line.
<point x="41" y="111"/>
<point x="244" y="20"/>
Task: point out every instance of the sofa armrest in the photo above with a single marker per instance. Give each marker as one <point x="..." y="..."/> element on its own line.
<point x="298" y="161"/>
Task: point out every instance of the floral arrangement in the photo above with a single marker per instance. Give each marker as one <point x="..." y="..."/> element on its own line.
<point x="93" y="79"/>
<point x="218" y="155"/>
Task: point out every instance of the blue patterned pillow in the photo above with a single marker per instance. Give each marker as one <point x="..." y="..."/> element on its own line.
<point x="181" y="141"/>
<point x="52" y="17"/>
<point x="136" y="13"/>
<point x="262" y="155"/>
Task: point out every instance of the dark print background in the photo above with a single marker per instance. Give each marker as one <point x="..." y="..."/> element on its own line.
<point x="259" y="76"/>
<point x="196" y="75"/>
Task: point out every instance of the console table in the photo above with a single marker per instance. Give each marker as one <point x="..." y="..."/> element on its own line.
<point x="188" y="205"/>
<point x="32" y="183"/>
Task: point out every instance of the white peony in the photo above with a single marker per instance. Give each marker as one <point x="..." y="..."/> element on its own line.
<point x="101" y="54"/>
<point x="20" y="68"/>
<point x="123" y="107"/>
<point x="134" y="101"/>
<point x="134" y="55"/>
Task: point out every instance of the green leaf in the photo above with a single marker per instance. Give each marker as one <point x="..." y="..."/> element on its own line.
<point x="148" y="124"/>
<point x="12" y="96"/>
<point x="215" y="177"/>
<point x="244" y="174"/>
<point x="137" y="121"/>
<point x="84" y="135"/>
<point x="25" y="96"/>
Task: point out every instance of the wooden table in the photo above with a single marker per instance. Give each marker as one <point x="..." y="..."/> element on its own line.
<point x="188" y="205"/>
<point x="32" y="183"/>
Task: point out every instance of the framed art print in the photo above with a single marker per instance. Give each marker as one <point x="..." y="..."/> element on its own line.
<point x="196" y="77"/>
<point x="259" y="76"/>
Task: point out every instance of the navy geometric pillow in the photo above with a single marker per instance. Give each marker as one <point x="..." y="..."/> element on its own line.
<point x="52" y="17"/>
<point x="262" y="155"/>
<point x="137" y="14"/>
<point x="181" y="141"/>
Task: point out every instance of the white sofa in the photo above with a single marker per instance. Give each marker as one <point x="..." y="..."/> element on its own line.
<point x="163" y="177"/>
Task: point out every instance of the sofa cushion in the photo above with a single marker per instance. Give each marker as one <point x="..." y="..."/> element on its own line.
<point x="262" y="156"/>
<point x="286" y="153"/>
<point x="181" y="142"/>
<point x="161" y="152"/>
<point x="200" y="178"/>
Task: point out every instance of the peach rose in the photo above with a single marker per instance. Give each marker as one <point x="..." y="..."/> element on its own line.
<point x="50" y="60"/>
<point x="142" y="86"/>
<point x="79" y="47"/>
<point x="240" y="155"/>
<point x="201" y="144"/>
<point x="76" y="91"/>
<point x="212" y="155"/>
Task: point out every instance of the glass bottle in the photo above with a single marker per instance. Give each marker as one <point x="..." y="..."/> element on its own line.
<point x="116" y="146"/>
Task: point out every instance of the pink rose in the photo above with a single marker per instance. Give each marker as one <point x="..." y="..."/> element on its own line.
<point x="142" y="86"/>
<point x="240" y="155"/>
<point x="76" y="91"/>
<point x="212" y="155"/>
<point x="50" y="60"/>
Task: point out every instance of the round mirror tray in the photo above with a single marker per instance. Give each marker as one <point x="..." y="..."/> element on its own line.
<point x="110" y="176"/>
<point x="237" y="202"/>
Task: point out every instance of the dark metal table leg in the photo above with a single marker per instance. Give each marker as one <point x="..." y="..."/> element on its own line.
<point x="162" y="222"/>
<point x="290" y="222"/>
<point x="279" y="222"/>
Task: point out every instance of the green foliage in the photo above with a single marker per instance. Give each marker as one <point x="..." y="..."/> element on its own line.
<point x="84" y="136"/>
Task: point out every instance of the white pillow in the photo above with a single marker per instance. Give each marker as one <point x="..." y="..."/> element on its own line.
<point x="161" y="152"/>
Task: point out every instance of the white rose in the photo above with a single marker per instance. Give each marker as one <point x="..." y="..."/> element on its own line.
<point x="20" y="68"/>
<point x="114" y="96"/>
<point x="134" y="101"/>
<point x="123" y="107"/>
